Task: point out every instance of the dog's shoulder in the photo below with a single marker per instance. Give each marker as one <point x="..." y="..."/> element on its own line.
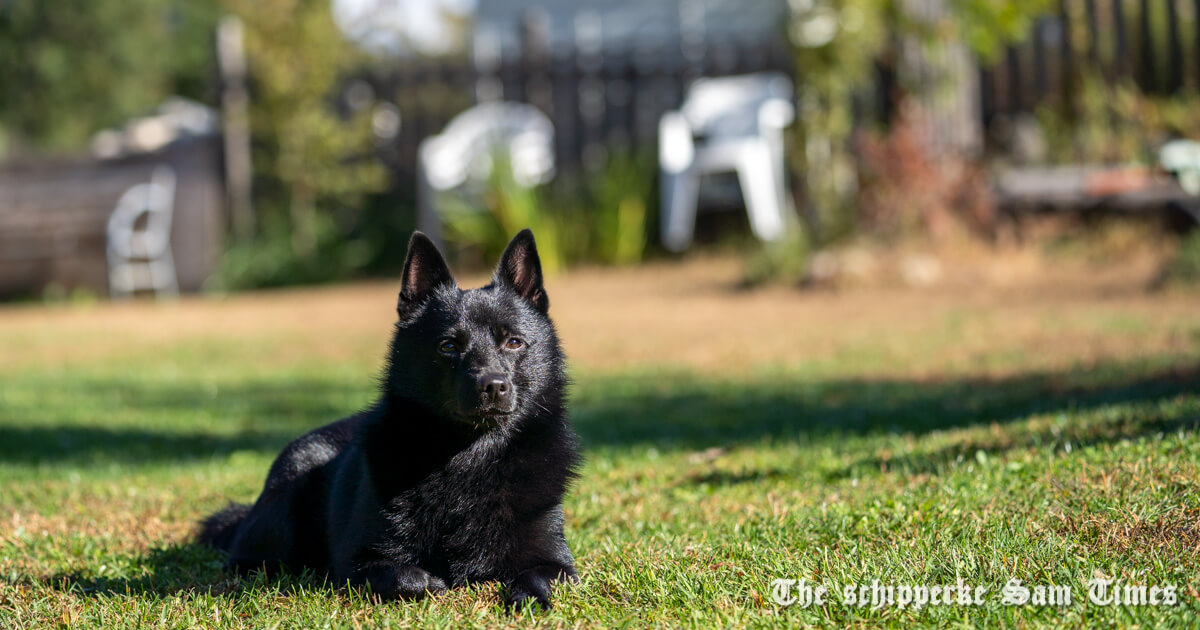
<point x="315" y="449"/>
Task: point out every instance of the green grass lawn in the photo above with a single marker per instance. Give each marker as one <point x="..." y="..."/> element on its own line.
<point x="700" y="486"/>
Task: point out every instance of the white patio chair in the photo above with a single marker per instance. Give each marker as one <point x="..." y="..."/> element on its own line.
<point x="1181" y="158"/>
<point x="139" y="252"/>
<point x="462" y="154"/>
<point x="726" y="124"/>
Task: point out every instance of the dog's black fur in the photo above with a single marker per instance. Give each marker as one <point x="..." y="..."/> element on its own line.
<point x="457" y="473"/>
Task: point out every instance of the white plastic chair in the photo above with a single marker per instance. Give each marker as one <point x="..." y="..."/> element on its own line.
<point x="139" y="256"/>
<point x="463" y="153"/>
<point x="726" y="124"/>
<point x="1181" y="158"/>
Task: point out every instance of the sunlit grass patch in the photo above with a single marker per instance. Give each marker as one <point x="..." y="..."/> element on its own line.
<point x="700" y="484"/>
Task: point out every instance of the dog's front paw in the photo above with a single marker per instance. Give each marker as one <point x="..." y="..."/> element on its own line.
<point x="533" y="585"/>
<point x="520" y="596"/>
<point x="389" y="581"/>
<point x="433" y="585"/>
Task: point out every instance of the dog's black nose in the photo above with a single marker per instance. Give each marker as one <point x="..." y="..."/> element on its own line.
<point x="495" y="387"/>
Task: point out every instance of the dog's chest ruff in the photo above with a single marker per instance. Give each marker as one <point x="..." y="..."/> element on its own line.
<point x="461" y="513"/>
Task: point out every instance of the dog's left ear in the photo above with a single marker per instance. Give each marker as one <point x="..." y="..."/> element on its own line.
<point x="521" y="270"/>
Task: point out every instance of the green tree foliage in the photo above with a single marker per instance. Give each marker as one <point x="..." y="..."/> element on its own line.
<point x="72" y="67"/>
<point x="838" y="44"/>
<point x="990" y="25"/>
<point x="312" y="167"/>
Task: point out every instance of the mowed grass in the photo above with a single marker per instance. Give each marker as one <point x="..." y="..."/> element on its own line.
<point x="731" y="438"/>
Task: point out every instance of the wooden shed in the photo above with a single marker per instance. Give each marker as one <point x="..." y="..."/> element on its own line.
<point x="53" y="216"/>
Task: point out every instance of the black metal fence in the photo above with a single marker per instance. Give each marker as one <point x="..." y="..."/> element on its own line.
<point x="599" y="100"/>
<point x="1153" y="44"/>
<point x="602" y="100"/>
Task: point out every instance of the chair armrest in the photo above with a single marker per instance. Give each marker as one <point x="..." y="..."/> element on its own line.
<point x="775" y="114"/>
<point x="676" y="148"/>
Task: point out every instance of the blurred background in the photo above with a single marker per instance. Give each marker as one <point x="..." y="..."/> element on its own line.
<point x="159" y="146"/>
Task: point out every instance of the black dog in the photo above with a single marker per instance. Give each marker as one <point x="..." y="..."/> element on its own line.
<point x="457" y="473"/>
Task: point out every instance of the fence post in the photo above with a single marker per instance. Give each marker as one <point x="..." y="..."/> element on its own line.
<point x="947" y="93"/>
<point x="1121" y="50"/>
<point x="693" y="15"/>
<point x="1093" y="27"/>
<point x="231" y="58"/>
<point x="485" y="56"/>
<point x="1196" y="37"/>
<point x="1147" y="80"/>
<point x="1040" y="81"/>
<point x="535" y="60"/>
<point x="1174" y="50"/>
<point x="1067" y="83"/>
<point x="589" y="47"/>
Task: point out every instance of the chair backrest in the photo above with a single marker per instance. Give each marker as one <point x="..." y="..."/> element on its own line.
<point x="729" y="106"/>
<point x="464" y="149"/>
<point x="156" y="200"/>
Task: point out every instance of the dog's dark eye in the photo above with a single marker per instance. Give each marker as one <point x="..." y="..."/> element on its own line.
<point x="448" y="347"/>
<point x="514" y="343"/>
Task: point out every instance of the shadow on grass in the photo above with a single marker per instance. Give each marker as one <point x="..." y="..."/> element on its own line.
<point x="678" y="412"/>
<point x="1057" y="439"/>
<point x="185" y="568"/>
<point x="1136" y="399"/>
<point x="97" y="421"/>
<point x="193" y="570"/>
<point x="89" y="444"/>
<point x="163" y="422"/>
<point x="667" y="412"/>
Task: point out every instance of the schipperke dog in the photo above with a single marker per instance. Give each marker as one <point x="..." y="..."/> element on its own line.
<point x="456" y="475"/>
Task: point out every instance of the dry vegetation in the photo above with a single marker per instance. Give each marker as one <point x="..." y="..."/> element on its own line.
<point x="1054" y="314"/>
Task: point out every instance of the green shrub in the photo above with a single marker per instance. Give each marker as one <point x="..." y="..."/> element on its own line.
<point x="508" y="207"/>
<point x="1184" y="268"/>
<point x="596" y="218"/>
<point x="839" y="45"/>
<point x="621" y="197"/>
<point x="271" y="259"/>
<point x="1115" y="123"/>
<point x="784" y="261"/>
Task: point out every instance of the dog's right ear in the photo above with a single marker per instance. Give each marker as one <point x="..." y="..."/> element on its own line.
<point x="424" y="270"/>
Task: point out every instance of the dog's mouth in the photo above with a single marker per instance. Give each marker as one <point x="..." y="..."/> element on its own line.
<point x="486" y="418"/>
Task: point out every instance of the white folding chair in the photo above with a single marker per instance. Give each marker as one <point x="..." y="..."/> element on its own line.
<point x="139" y="252"/>
<point x="726" y="124"/>
<point x="463" y="153"/>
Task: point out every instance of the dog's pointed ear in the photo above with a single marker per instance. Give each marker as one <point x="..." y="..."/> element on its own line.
<point x="520" y="269"/>
<point x="424" y="270"/>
